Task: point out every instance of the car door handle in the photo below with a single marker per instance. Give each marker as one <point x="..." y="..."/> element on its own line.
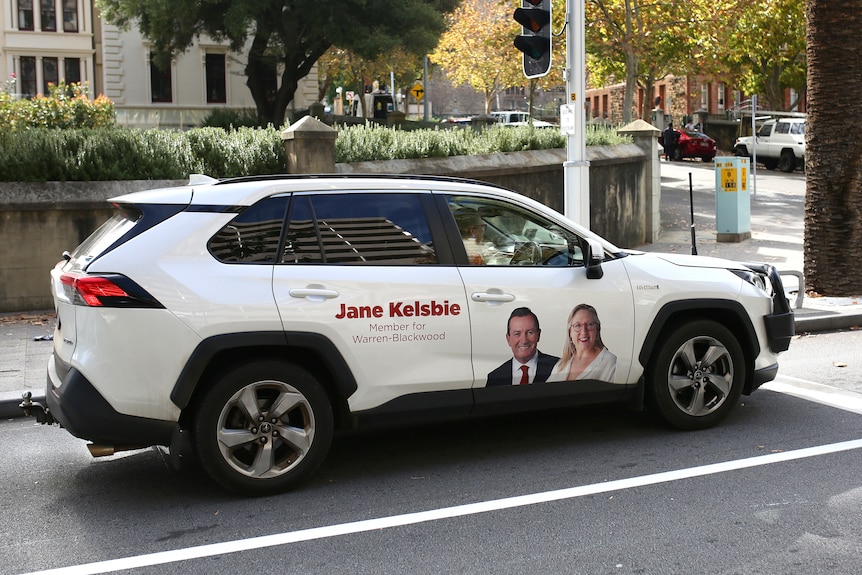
<point x="498" y="297"/>
<point x="313" y="293"/>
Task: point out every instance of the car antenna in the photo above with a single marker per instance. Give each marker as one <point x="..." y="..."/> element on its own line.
<point x="691" y="208"/>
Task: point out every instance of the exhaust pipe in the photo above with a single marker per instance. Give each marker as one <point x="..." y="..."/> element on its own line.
<point x="97" y="450"/>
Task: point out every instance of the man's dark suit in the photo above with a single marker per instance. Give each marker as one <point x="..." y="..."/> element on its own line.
<point x="503" y="374"/>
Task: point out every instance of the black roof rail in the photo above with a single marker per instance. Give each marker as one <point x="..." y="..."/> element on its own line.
<point x="414" y="177"/>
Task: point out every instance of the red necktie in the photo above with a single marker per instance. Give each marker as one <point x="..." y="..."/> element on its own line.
<point x="524" y="377"/>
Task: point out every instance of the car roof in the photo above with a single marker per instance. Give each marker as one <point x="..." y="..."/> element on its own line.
<point x="244" y="191"/>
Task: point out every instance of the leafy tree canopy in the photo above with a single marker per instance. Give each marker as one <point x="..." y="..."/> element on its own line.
<point x="477" y="48"/>
<point x="284" y="35"/>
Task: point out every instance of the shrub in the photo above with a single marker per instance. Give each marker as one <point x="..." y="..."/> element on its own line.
<point x="231" y="119"/>
<point x="114" y="153"/>
<point x="246" y="151"/>
<point x="374" y="142"/>
<point x="66" y="106"/>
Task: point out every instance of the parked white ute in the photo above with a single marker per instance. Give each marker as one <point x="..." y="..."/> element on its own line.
<point x="778" y="144"/>
<point x="257" y="316"/>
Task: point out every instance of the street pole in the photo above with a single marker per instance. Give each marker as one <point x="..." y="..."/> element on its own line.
<point x="425" y="115"/>
<point x="754" y="145"/>
<point x="576" y="168"/>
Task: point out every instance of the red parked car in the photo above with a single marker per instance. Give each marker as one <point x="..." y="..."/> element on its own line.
<point x="693" y="144"/>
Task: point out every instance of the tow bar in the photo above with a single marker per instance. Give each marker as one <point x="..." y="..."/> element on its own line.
<point x="36" y="409"/>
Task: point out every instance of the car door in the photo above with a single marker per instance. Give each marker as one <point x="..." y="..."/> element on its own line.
<point x="527" y="286"/>
<point x="765" y="145"/>
<point x="366" y="271"/>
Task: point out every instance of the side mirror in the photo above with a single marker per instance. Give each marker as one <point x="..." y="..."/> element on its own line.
<point x="593" y="258"/>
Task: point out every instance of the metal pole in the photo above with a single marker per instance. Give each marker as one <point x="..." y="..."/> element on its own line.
<point x="753" y="146"/>
<point x="425" y="86"/>
<point x="576" y="168"/>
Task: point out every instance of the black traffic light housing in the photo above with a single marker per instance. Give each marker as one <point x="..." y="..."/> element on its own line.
<point x="535" y="40"/>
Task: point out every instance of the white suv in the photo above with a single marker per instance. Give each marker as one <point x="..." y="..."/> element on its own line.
<point x="248" y="319"/>
<point x="778" y="144"/>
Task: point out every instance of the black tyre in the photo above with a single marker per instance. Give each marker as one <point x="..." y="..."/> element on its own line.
<point x="677" y="154"/>
<point x="263" y="428"/>
<point x="696" y="377"/>
<point x="787" y="162"/>
<point x="707" y="159"/>
<point x="741" y="151"/>
<point x="770" y="163"/>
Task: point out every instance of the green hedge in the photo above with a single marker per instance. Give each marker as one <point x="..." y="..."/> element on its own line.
<point x="42" y="154"/>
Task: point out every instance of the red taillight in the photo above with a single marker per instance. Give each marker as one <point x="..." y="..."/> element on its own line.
<point x="92" y="288"/>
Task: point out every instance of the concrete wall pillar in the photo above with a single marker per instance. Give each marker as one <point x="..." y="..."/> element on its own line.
<point x="309" y="147"/>
<point x="645" y="136"/>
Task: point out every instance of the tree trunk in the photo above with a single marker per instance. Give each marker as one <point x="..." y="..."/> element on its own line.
<point x="631" y="85"/>
<point x="648" y="88"/>
<point x="833" y="207"/>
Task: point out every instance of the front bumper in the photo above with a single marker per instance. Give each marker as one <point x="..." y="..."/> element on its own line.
<point x="780" y="327"/>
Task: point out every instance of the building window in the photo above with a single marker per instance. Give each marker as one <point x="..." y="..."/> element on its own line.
<point x="49" y="16"/>
<point x="704" y="96"/>
<point x="161" y="86"/>
<point x="25" y="14"/>
<point x="50" y="74"/>
<point x="28" y="76"/>
<point x="215" y="75"/>
<point x="70" y="15"/>
<point x="722" y="94"/>
<point x="72" y="70"/>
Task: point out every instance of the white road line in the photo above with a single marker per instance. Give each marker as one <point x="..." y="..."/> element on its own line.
<point x="445" y="513"/>
<point x="817" y="392"/>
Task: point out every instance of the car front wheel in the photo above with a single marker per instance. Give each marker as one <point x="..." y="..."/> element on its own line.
<point x="263" y="428"/>
<point x="697" y="375"/>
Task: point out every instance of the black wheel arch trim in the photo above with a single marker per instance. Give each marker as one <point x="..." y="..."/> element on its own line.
<point x="253" y="343"/>
<point x="729" y="313"/>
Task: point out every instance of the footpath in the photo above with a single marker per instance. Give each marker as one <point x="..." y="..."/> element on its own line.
<point x="777" y="210"/>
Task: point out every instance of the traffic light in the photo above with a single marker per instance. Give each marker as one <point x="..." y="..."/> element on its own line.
<point x="535" y="40"/>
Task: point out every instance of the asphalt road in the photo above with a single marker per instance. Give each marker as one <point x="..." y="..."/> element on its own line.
<point x="776" y="489"/>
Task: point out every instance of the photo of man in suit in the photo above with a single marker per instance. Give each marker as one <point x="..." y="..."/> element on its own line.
<point x="528" y="364"/>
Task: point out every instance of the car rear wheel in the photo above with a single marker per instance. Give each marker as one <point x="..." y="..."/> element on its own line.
<point x="770" y="163"/>
<point x="263" y="428"/>
<point x="707" y="158"/>
<point x="697" y="375"/>
<point x="677" y="154"/>
<point x="787" y="162"/>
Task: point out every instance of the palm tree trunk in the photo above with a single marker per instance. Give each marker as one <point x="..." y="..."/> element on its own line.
<point x="833" y="207"/>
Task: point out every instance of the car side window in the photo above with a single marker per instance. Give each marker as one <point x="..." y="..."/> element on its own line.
<point x="765" y="130"/>
<point x="358" y="229"/>
<point x="798" y="128"/>
<point x="782" y="128"/>
<point x="253" y="235"/>
<point x="496" y="233"/>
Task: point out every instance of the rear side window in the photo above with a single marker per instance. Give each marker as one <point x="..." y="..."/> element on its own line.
<point x="367" y="228"/>
<point x="782" y="128"/>
<point x="253" y="236"/>
<point x="123" y="220"/>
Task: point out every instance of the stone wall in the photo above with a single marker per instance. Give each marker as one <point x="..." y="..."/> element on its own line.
<point x="39" y="221"/>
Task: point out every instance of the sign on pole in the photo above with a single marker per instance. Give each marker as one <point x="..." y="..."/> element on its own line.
<point x="417" y="91"/>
